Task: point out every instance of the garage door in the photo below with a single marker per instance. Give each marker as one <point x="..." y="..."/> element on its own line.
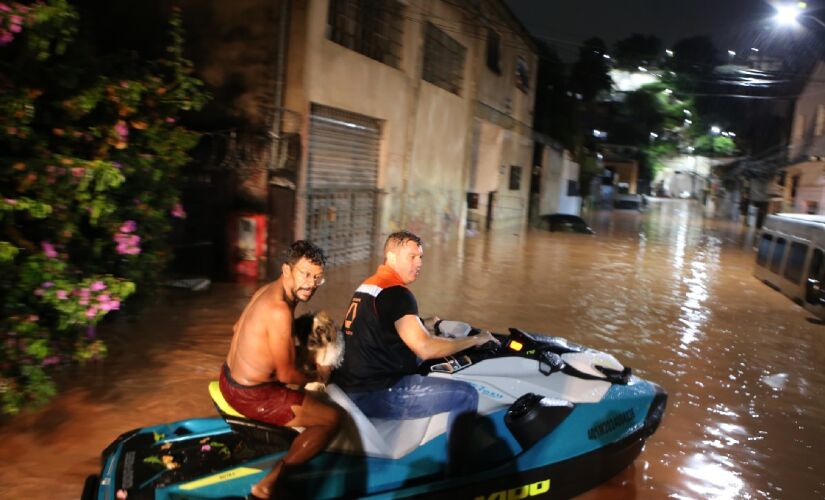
<point x="341" y="183"/>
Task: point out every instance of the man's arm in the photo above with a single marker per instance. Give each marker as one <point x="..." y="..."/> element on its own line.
<point x="282" y="346"/>
<point x="428" y="346"/>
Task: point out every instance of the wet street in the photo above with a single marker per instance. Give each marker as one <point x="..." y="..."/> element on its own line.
<point x="668" y="292"/>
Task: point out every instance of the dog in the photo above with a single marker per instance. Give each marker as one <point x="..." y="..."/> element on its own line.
<point x="318" y="343"/>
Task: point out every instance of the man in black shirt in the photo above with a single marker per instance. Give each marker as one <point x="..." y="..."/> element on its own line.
<point x="385" y="340"/>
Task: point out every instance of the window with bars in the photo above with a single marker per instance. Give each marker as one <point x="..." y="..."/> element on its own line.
<point x="373" y="28"/>
<point x="515" y="177"/>
<point x="443" y="60"/>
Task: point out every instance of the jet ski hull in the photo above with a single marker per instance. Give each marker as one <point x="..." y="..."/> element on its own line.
<point x="546" y="428"/>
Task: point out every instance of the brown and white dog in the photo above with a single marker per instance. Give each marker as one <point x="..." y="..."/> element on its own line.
<point x="318" y="343"/>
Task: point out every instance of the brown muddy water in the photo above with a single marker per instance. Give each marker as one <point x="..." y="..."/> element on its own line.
<point x="668" y="292"/>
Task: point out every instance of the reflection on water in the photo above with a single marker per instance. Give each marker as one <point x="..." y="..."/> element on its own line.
<point x="668" y="292"/>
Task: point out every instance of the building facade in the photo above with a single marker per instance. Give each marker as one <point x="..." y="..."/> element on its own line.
<point x="801" y="184"/>
<point x="382" y="115"/>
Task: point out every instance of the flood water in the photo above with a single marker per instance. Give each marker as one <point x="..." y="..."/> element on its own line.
<point x="668" y="292"/>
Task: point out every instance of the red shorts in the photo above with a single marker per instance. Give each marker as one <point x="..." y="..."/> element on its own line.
<point x="270" y="402"/>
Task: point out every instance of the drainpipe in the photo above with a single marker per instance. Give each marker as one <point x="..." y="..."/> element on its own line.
<point x="412" y="119"/>
<point x="275" y="134"/>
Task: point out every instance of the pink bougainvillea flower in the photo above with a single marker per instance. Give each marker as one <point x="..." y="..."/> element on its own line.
<point x="51" y="360"/>
<point x="206" y="447"/>
<point x="11" y="201"/>
<point x="122" y="130"/>
<point x="103" y="297"/>
<point x="114" y="304"/>
<point x="178" y="211"/>
<point x="39" y="292"/>
<point x="97" y="286"/>
<point x="61" y="294"/>
<point x="91" y="312"/>
<point x="78" y="172"/>
<point x="169" y="119"/>
<point x="33" y="318"/>
<point x="47" y="284"/>
<point x="4" y="7"/>
<point x="128" y="226"/>
<point x="48" y="249"/>
<point x="83" y="302"/>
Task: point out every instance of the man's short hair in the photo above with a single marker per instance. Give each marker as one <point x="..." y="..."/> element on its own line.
<point x="305" y="249"/>
<point x="399" y="239"/>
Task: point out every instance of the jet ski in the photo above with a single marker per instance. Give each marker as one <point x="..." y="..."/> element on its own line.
<point x="554" y="420"/>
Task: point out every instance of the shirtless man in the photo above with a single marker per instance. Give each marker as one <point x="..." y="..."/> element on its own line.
<point x="261" y="362"/>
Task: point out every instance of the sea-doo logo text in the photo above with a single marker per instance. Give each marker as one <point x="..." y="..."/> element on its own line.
<point x="611" y="424"/>
<point x="528" y="490"/>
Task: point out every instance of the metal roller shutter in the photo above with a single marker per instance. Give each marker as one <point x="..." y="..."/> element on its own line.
<point x="342" y="180"/>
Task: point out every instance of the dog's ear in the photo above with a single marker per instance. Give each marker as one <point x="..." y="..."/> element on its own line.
<point x="303" y="326"/>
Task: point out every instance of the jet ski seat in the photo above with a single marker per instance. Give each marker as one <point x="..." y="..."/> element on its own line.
<point x="377" y="437"/>
<point x="254" y="430"/>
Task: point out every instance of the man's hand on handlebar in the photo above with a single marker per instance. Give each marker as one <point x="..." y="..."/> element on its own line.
<point x="484" y="337"/>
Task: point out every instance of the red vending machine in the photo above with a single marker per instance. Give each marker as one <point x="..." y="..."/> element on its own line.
<point x="247" y="236"/>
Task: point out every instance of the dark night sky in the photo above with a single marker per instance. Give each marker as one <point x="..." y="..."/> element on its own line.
<point x="732" y="24"/>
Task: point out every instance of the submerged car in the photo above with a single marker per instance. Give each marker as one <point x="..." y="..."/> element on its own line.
<point x="629" y="201"/>
<point x="554" y="419"/>
<point x="566" y="223"/>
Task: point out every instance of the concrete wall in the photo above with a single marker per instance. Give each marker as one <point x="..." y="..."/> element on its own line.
<point x="557" y="169"/>
<point x="425" y="128"/>
<point x="503" y="114"/>
<point x="810" y="191"/>
<point x="808" y="149"/>
<point x="808" y="125"/>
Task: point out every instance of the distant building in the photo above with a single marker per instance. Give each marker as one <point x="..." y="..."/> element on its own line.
<point x="802" y="182"/>
<point x="623" y="166"/>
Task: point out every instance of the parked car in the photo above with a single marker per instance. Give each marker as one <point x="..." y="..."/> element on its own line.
<point x="566" y="223"/>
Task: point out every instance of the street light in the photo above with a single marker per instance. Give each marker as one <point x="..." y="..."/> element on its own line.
<point x="787" y="14"/>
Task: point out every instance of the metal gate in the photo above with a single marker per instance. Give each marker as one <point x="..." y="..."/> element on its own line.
<point x="342" y="183"/>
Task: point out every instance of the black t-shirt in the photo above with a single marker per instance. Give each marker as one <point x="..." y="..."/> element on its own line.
<point x="375" y="357"/>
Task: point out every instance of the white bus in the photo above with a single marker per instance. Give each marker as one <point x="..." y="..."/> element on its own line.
<point x="791" y="258"/>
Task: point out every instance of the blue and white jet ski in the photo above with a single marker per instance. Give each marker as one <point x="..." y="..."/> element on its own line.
<point x="554" y="420"/>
